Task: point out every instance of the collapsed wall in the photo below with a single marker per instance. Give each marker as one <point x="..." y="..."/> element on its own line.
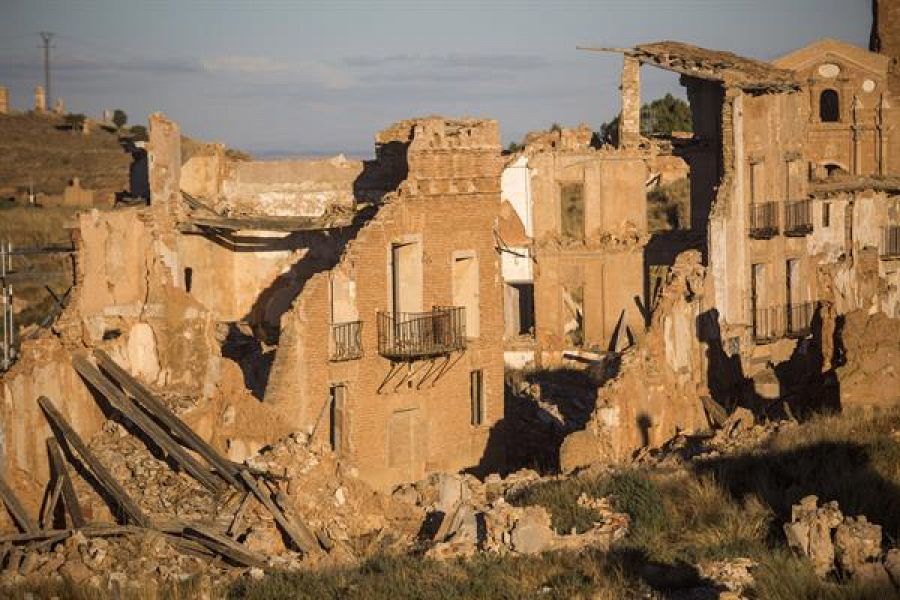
<point x="275" y="188"/>
<point x="430" y="245"/>
<point x="127" y="299"/>
<point x="661" y="380"/>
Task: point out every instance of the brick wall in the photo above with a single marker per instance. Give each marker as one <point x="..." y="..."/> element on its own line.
<point x="449" y="203"/>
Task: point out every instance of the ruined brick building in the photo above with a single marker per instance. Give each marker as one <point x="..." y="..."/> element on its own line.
<point x="372" y="305"/>
<point x="571" y="239"/>
<point x="795" y="214"/>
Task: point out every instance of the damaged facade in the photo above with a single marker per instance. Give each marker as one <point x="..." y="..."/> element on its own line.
<point x="356" y="299"/>
<point x="794" y="209"/>
<point x="572" y="232"/>
<point x="370" y="308"/>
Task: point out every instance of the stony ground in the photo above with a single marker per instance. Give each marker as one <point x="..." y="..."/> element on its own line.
<point x="753" y="510"/>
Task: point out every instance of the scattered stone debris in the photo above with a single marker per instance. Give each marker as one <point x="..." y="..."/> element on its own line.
<point x="837" y="544"/>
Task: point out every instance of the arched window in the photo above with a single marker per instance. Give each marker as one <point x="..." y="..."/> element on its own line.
<point x="829" y="107"/>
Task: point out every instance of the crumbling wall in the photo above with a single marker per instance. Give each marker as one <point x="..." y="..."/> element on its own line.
<point x="303" y="188"/>
<point x="586" y="214"/>
<point x="403" y="420"/>
<point x="661" y="380"/>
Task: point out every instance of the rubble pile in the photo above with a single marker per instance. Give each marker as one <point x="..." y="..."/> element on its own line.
<point x="464" y="515"/>
<point x="160" y="491"/>
<point x="732" y="576"/>
<point x="835" y="543"/>
<point x="740" y="432"/>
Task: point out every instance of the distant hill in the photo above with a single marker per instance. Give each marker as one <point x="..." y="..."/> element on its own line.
<point x="36" y="148"/>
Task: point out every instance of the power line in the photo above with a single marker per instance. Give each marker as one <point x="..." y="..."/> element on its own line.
<point x="47" y="36"/>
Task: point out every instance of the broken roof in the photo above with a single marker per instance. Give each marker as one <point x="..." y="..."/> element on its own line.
<point x="716" y="65"/>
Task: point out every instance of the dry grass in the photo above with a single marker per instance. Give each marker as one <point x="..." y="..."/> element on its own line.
<point x="725" y="508"/>
<point x="34" y="150"/>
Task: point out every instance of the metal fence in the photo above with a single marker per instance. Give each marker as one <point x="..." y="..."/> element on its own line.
<point x="410" y="336"/>
<point x="797" y="218"/>
<point x="346" y="341"/>
<point x="763" y="220"/>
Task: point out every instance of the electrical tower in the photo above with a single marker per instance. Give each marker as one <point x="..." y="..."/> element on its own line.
<point x="47" y="36"/>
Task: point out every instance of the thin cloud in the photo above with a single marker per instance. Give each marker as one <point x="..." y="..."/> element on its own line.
<point x="243" y="64"/>
<point x="317" y="73"/>
<point x="481" y="61"/>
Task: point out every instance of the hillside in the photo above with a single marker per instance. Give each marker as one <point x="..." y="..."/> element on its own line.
<point x="35" y="148"/>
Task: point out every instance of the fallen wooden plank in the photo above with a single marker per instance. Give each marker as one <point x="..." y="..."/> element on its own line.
<point x="124" y="405"/>
<point x="225" y="546"/>
<point x="59" y="468"/>
<point x="131" y="510"/>
<point x="225" y="468"/>
<point x="301" y="537"/>
<point x="238" y="515"/>
<point x="15" y="508"/>
<point x="52" y="501"/>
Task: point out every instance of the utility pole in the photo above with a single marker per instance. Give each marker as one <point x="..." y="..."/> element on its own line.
<point x="47" y="36"/>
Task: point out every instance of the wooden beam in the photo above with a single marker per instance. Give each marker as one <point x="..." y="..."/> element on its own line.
<point x="126" y="407"/>
<point x="238" y="515"/>
<point x="59" y="468"/>
<point x="225" y="546"/>
<point x="16" y="509"/>
<point x="302" y="538"/>
<point x="225" y="468"/>
<point x="52" y="501"/>
<point x="286" y="224"/>
<point x="131" y="510"/>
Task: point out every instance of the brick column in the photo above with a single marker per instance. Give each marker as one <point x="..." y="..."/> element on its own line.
<point x="630" y="119"/>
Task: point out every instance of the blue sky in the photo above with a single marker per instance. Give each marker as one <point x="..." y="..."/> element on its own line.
<point x="303" y="77"/>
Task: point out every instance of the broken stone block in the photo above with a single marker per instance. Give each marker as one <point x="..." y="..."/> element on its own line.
<point x="809" y="532"/>
<point x="532" y="533"/>
<point x="857" y="542"/>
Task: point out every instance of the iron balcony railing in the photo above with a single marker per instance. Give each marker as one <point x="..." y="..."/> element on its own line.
<point x="411" y="336"/>
<point x="768" y="324"/>
<point x="776" y="322"/>
<point x="797" y="218"/>
<point x="346" y="341"/>
<point x="798" y="319"/>
<point x="890" y="241"/>
<point x="763" y="220"/>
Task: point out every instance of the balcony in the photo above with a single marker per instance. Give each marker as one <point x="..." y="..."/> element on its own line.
<point x="346" y="341"/>
<point x="776" y="322"/>
<point x="798" y="319"/>
<point x="414" y="336"/>
<point x="768" y="324"/>
<point x="890" y="242"/>
<point x="797" y="218"/>
<point x="763" y="220"/>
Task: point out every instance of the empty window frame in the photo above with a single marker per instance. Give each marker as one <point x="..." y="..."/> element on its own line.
<point x="465" y="290"/>
<point x="571" y="205"/>
<point x="336" y="411"/>
<point x="829" y="106"/>
<point x="476" y="395"/>
<point x="520" y="309"/>
<point x="826" y="214"/>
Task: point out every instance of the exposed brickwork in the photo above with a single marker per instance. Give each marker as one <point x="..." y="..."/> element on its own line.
<point x="448" y="204"/>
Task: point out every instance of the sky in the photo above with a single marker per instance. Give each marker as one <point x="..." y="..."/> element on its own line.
<point x="279" y="77"/>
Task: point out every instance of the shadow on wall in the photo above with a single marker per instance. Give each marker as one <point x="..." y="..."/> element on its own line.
<point x="541" y="408"/>
<point x="241" y="346"/>
<point x="247" y="347"/>
<point x="803" y="386"/>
